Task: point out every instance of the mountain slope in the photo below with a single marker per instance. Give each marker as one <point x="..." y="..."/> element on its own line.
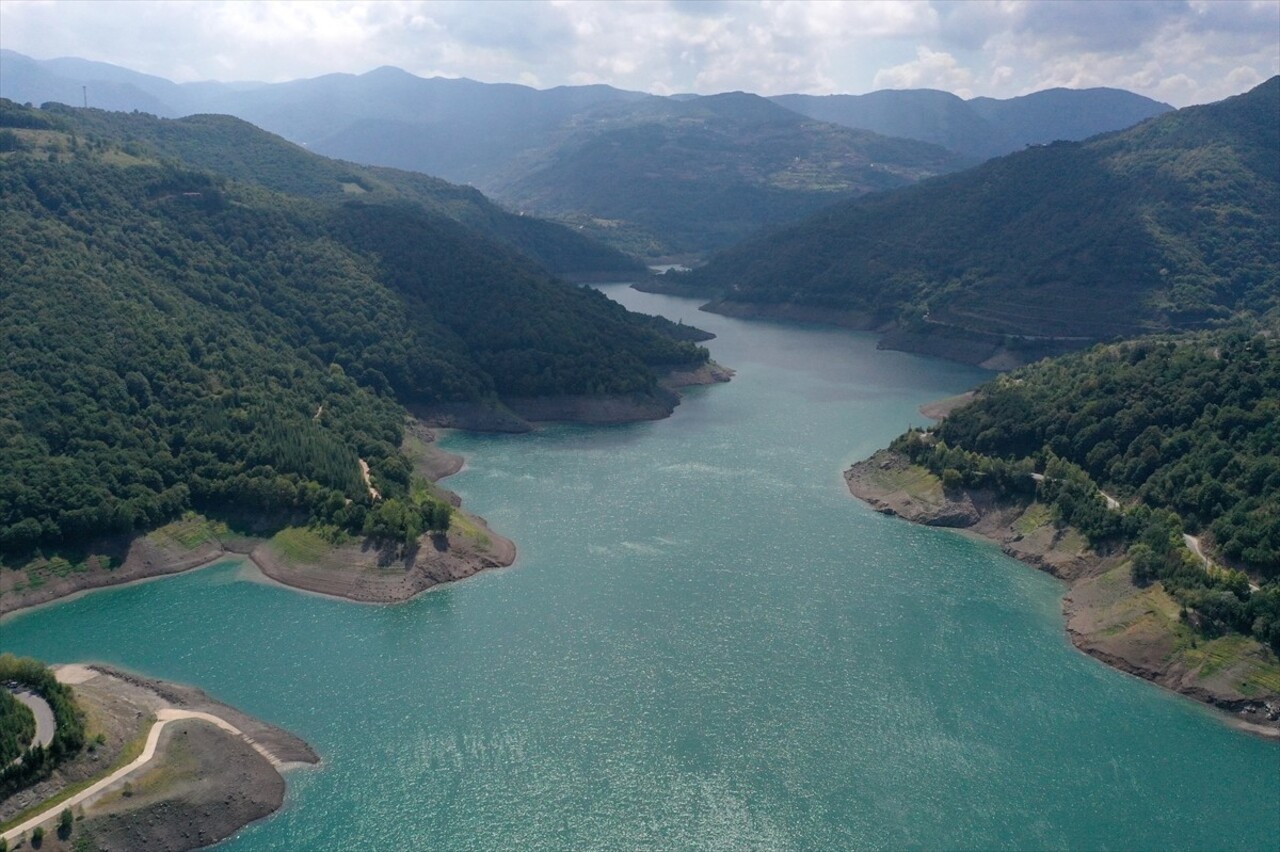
<point x="1173" y="223"/>
<point x="691" y="175"/>
<point x="1071" y="114"/>
<point x="640" y="172"/>
<point x="240" y="151"/>
<point x="172" y="339"/>
<point x="981" y="127"/>
<point x="928" y="115"/>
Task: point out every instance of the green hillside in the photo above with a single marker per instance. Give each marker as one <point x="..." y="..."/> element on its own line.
<point x="1170" y="224"/>
<point x="172" y="339"/>
<point x="240" y="151"/>
<point x="668" y="176"/>
<point x="1182" y="430"/>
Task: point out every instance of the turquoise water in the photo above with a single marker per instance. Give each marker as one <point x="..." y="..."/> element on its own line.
<point x="705" y="644"/>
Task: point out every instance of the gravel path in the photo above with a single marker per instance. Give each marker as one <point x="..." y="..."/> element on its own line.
<point x="163" y="717"/>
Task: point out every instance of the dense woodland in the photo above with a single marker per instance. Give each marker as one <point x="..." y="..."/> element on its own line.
<point x="17" y="728"/>
<point x="173" y="339"/>
<point x="237" y="150"/>
<point x="671" y="176"/>
<point x="1183" y="430"/>
<point x="1168" y="225"/>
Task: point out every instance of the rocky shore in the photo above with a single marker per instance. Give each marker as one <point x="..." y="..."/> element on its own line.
<point x="1138" y="630"/>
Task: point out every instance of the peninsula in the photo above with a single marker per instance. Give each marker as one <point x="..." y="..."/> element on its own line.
<point x="292" y="554"/>
<point x="1116" y="470"/>
<point x="163" y="766"/>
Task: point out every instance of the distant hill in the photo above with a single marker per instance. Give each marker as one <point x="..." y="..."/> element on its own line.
<point x="653" y="176"/>
<point x="684" y="174"/>
<point x="238" y="150"/>
<point x="670" y="176"/>
<point x="173" y="337"/>
<point x="982" y="127"/>
<point x="1171" y="224"/>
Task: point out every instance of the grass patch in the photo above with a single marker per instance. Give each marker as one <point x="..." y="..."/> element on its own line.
<point x="116" y="157"/>
<point x="463" y="524"/>
<point x="1034" y="517"/>
<point x="300" y="544"/>
<point x="913" y="480"/>
<point x="1234" y="651"/>
<point x="1072" y="542"/>
<point x="190" y="532"/>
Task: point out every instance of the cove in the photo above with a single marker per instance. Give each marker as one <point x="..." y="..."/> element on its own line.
<point x="705" y="643"/>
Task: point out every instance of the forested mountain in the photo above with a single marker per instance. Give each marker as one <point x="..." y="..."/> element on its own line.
<point x="641" y="172"/>
<point x="981" y="127"/>
<point x="671" y="176"/>
<point x="650" y="175"/>
<point x="1071" y="114"/>
<point x="172" y="338"/>
<point x="1184" y="430"/>
<point x="239" y="150"/>
<point x="1171" y="224"/>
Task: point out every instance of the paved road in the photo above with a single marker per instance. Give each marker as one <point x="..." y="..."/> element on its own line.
<point x="43" y="713"/>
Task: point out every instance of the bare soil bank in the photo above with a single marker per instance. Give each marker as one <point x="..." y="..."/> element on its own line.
<point x="203" y="784"/>
<point x="358" y="571"/>
<point x="520" y="414"/>
<point x="1135" y="629"/>
<point x="363" y="572"/>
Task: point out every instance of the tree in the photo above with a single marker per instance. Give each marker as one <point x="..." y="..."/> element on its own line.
<point x="65" y="821"/>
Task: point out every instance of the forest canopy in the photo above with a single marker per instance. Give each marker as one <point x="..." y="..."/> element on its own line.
<point x="1170" y="225"/>
<point x="174" y="339"/>
<point x="1183" y="430"/>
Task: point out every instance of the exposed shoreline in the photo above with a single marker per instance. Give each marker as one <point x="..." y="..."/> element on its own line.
<point x="523" y="414"/>
<point x="1126" y="627"/>
<point x="988" y="350"/>
<point x="206" y="769"/>
<point x="356" y="572"/>
<point x="359" y="571"/>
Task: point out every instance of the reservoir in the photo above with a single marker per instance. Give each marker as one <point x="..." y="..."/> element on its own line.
<point x="706" y="643"/>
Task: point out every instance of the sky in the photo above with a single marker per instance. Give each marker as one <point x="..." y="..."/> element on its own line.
<point x="1178" y="51"/>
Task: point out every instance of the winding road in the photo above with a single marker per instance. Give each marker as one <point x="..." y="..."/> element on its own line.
<point x="163" y="717"/>
<point x="43" y="713"/>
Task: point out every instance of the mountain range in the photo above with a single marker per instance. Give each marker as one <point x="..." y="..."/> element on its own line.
<point x="982" y="128"/>
<point x="1172" y="224"/>
<point x="641" y="172"/>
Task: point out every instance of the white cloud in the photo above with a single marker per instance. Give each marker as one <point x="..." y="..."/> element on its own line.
<point x="1181" y="51"/>
<point x="931" y="70"/>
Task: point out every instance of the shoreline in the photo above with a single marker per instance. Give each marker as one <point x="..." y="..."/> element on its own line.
<point x="525" y="414"/>
<point x="355" y="572"/>
<point x="988" y="350"/>
<point x="1129" y="628"/>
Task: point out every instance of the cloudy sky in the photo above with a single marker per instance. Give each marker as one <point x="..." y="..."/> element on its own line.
<point x="1179" y="51"/>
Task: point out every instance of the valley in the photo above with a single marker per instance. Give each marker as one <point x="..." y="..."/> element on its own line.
<point x="287" y="347"/>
